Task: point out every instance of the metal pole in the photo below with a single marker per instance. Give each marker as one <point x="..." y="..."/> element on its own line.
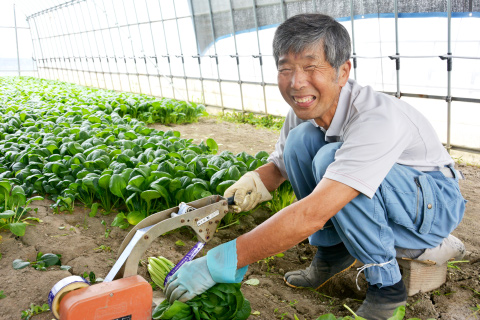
<point x="166" y="48"/>
<point x="380" y="46"/>
<point x="121" y="45"/>
<point x="56" y="5"/>
<point x="215" y="51"/>
<point x="40" y="44"/>
<point x="260" y="53"/>
<point x="198" y="51"/>
<point x="16" y="39"/>
<point x="133" y="49"/>
<point x="143" y="49"/>
<point x="236" y="56"/>
<point x="352" y="12"/>
<point x="58" y="67"/>
<point x="60" y="22"/>
<point x="52" y="75"/>
<point x="90" y="46"/>
<point x="98" y="49"/>
<point x="154" y="50"/>
<point x="64" y="77"/>
<point x="85" y="53"/>
<point x="449" y="73"/>
<point x="113" y="48"/>
<point x="181" y="52"/>
<point x="58" y="50"/>
<point x="397" y="61"/>
<point x="77" y="47"/>
<point x="314" y="3"/>
<point x="34" y="58"/>
<point x="73" y="53"/>
<point x="282" y="7"/>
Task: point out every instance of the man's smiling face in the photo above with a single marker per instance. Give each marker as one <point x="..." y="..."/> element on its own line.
<point x="310" y="85"/>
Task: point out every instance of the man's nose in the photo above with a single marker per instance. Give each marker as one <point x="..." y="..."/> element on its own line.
<point x="299" y="80"/>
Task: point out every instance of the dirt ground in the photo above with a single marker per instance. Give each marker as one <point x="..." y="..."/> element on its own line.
<point x="79" y="238"/>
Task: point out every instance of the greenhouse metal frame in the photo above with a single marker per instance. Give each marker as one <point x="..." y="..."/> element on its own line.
<point x="76" y="41"/>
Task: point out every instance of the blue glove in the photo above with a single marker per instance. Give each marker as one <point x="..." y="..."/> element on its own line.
<point x="192" y="279"/>
<point x="222" y="263"/>
<point x="199" y="275"/>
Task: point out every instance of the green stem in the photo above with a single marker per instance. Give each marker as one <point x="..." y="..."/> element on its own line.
<point x="228" y="225"/>
<point x="113" y="205"/>
<point x="351" y="311"/>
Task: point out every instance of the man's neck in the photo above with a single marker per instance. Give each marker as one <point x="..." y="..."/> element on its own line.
<point x="326" y="120"/>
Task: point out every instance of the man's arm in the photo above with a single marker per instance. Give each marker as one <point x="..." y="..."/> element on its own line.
<point x="294" y="223"/>
<point x="225" y="263"/>
<point x="270" y="176"/>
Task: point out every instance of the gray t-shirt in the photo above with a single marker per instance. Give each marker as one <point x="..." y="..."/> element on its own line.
<point x="377" y="131"/>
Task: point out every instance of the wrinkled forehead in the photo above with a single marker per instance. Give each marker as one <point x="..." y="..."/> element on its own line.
<point x="311" y="52"/>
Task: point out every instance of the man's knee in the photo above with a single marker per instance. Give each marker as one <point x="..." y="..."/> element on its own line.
<point x="324" y="157"/>
<point x="303" y="138"/>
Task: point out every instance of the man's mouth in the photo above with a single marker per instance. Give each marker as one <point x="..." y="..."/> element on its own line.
<point x="304" y="99"/>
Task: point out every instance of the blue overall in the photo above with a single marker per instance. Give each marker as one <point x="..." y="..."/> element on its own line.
<point x="410" y="209"/>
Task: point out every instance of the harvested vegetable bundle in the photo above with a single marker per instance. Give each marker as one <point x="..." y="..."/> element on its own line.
<point x="223" y="301"/>
<point x="158" y="269"/>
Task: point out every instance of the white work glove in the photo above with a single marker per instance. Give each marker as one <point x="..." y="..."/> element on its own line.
<point x="248" y="191"/>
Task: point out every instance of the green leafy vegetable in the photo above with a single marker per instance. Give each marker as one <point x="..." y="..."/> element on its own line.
<point x="221" y="302"/>
<point x="180" y="243"/>
<point x="34" y="310"/>
<point x="224" y="301"/>
<point x="158" y="268"/>
<point x="282" y="197"/>
<point x="398" y="314"/>
<point x="262" y="121"/>
<point x="15" y="205"/>
<point x="69" y="143"/>
<point x="253" y="282"/>
<point x="42" y="263"/>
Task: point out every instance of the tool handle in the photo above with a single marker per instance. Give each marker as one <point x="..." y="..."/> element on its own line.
<point x="230" y="201"/>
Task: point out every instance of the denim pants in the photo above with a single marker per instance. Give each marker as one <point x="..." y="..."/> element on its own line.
<point x="410" y="209"/>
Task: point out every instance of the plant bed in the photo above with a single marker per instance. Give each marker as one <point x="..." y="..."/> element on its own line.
<point x="79" y="239"/>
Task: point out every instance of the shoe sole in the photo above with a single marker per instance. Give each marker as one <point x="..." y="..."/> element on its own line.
<point x="336" y="274"/>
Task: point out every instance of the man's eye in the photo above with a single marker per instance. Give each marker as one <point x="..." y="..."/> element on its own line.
<point x="308" y="68"/>
<point x="283" y="70"/>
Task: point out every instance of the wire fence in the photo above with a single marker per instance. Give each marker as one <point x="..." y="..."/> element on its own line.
<point x="218" y="52"/>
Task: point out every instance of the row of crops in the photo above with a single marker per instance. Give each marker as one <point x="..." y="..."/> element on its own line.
<point x="70" y="143"/>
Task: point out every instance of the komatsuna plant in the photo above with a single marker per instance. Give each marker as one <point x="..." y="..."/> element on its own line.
<point x="13" y="207"/>
<point x="69" y="143"/>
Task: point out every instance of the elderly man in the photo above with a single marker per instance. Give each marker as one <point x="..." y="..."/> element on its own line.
<point x="371" y="177"/>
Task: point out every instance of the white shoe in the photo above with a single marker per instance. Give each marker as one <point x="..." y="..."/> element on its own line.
<point x="450" y="248"/>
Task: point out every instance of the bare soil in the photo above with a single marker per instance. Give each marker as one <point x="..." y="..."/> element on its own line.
<point x="78" y="239"/>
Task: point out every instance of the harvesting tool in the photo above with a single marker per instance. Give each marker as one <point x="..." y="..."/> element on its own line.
<point x="124" y="295"/>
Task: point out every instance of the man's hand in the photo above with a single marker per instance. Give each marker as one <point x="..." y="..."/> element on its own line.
<point x="199" y="275"/>
<point x="248" y="191"/>
<point x="192" y="279"/>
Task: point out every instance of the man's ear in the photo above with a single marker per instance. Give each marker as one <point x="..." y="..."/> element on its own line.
<point x="344" y="73"/>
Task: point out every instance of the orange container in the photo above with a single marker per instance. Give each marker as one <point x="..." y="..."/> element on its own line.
<point x="123" y="299"/>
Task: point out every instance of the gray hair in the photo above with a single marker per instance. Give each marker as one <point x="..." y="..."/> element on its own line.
<point x="305" y="31"/>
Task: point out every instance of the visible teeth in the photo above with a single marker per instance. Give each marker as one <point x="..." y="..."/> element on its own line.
<point x="306" y="99"/>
